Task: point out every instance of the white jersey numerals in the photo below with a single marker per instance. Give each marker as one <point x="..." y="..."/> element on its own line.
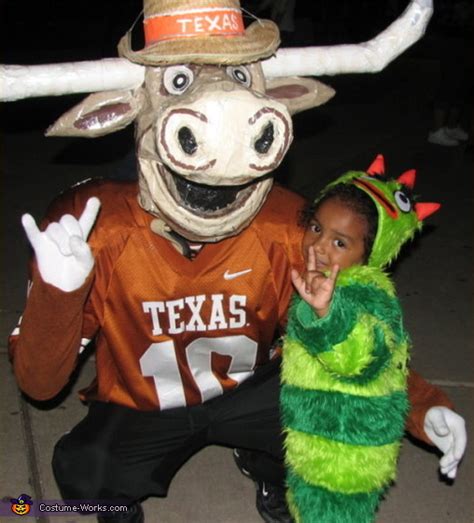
<point x="160" y="362"/>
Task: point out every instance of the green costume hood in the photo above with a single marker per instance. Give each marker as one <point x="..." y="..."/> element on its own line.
<point x="399" y="217"/>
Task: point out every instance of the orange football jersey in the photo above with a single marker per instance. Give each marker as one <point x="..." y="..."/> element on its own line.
<point x="169" y="331"/>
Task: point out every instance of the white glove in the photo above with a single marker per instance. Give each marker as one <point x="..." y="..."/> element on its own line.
<point x="64" y="258"/>
<point x="447" y="430"/>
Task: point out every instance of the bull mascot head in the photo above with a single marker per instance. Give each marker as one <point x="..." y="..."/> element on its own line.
<point x="212" y="104"/>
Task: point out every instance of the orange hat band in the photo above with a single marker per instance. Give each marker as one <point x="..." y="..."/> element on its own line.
<point x="193" y="22"/>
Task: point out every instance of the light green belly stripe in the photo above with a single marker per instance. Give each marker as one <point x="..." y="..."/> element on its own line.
<point x="340" y="467"/>
<point x="300" y="369"/>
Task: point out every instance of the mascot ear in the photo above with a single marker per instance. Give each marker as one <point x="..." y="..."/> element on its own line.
<point x="298" y="94"/>
<point x="98" y="114"/>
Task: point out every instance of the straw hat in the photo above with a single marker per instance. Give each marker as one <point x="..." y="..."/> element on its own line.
<point x="200" y="31"/>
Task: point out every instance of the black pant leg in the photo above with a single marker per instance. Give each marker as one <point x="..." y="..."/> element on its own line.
<point x="121" y="453"/>
<point x="249" y="418"/>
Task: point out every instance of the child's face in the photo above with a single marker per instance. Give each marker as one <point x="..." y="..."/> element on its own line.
<point x="337" y="235"/>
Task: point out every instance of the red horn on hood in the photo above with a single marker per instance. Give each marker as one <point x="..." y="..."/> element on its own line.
<point x="408" y="178"/>
<point x="425" y="209"/>
<point x="377" y="166"/>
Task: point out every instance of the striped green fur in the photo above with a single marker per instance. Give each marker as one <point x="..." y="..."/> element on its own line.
<point x="343" y="399"/>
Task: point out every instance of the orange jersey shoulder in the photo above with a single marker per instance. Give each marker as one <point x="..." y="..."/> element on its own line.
<point x="119" y="211"/>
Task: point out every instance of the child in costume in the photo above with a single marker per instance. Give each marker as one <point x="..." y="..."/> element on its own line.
<point x="343" y="396"/>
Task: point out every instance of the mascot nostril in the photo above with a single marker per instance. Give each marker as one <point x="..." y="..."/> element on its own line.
<point x="264" y="142"/>
<point x="187" y="140"/>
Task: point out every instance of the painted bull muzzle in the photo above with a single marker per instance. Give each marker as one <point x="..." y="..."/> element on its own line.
<point x="205" y="158"/>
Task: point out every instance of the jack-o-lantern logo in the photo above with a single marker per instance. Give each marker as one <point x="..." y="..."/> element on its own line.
<point x="22" y="505"/>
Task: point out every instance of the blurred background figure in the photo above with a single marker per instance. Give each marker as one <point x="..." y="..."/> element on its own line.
<point x="450" y="32"/>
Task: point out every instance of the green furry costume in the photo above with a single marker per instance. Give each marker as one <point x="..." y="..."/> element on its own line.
<point x="343" y="396"/>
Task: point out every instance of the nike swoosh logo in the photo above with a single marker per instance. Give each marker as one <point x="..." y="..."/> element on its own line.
<point x="231" y="275"/>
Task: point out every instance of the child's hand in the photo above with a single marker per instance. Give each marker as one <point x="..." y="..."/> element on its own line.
<point x="314" y="287"/>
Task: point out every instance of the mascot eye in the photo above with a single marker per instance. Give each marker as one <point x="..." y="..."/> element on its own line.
<point x="402" y="201"/>
<point x="177" y="79"/>
<point x="240" y="74"/>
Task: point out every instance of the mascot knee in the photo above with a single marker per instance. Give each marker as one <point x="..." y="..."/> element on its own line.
<point x="78" y="468"/>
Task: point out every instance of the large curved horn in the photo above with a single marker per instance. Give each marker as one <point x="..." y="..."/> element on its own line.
<point x="25" y="81"/>
<point x="367" y="57"/>
<point x="17" y="82"/>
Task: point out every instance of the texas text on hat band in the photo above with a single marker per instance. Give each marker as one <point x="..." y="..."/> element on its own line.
<point x="193" y="22"/>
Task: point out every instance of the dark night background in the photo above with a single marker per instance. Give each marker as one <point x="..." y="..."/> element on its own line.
<point x="58" y="30"/>
<point x="61" y="31"/>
